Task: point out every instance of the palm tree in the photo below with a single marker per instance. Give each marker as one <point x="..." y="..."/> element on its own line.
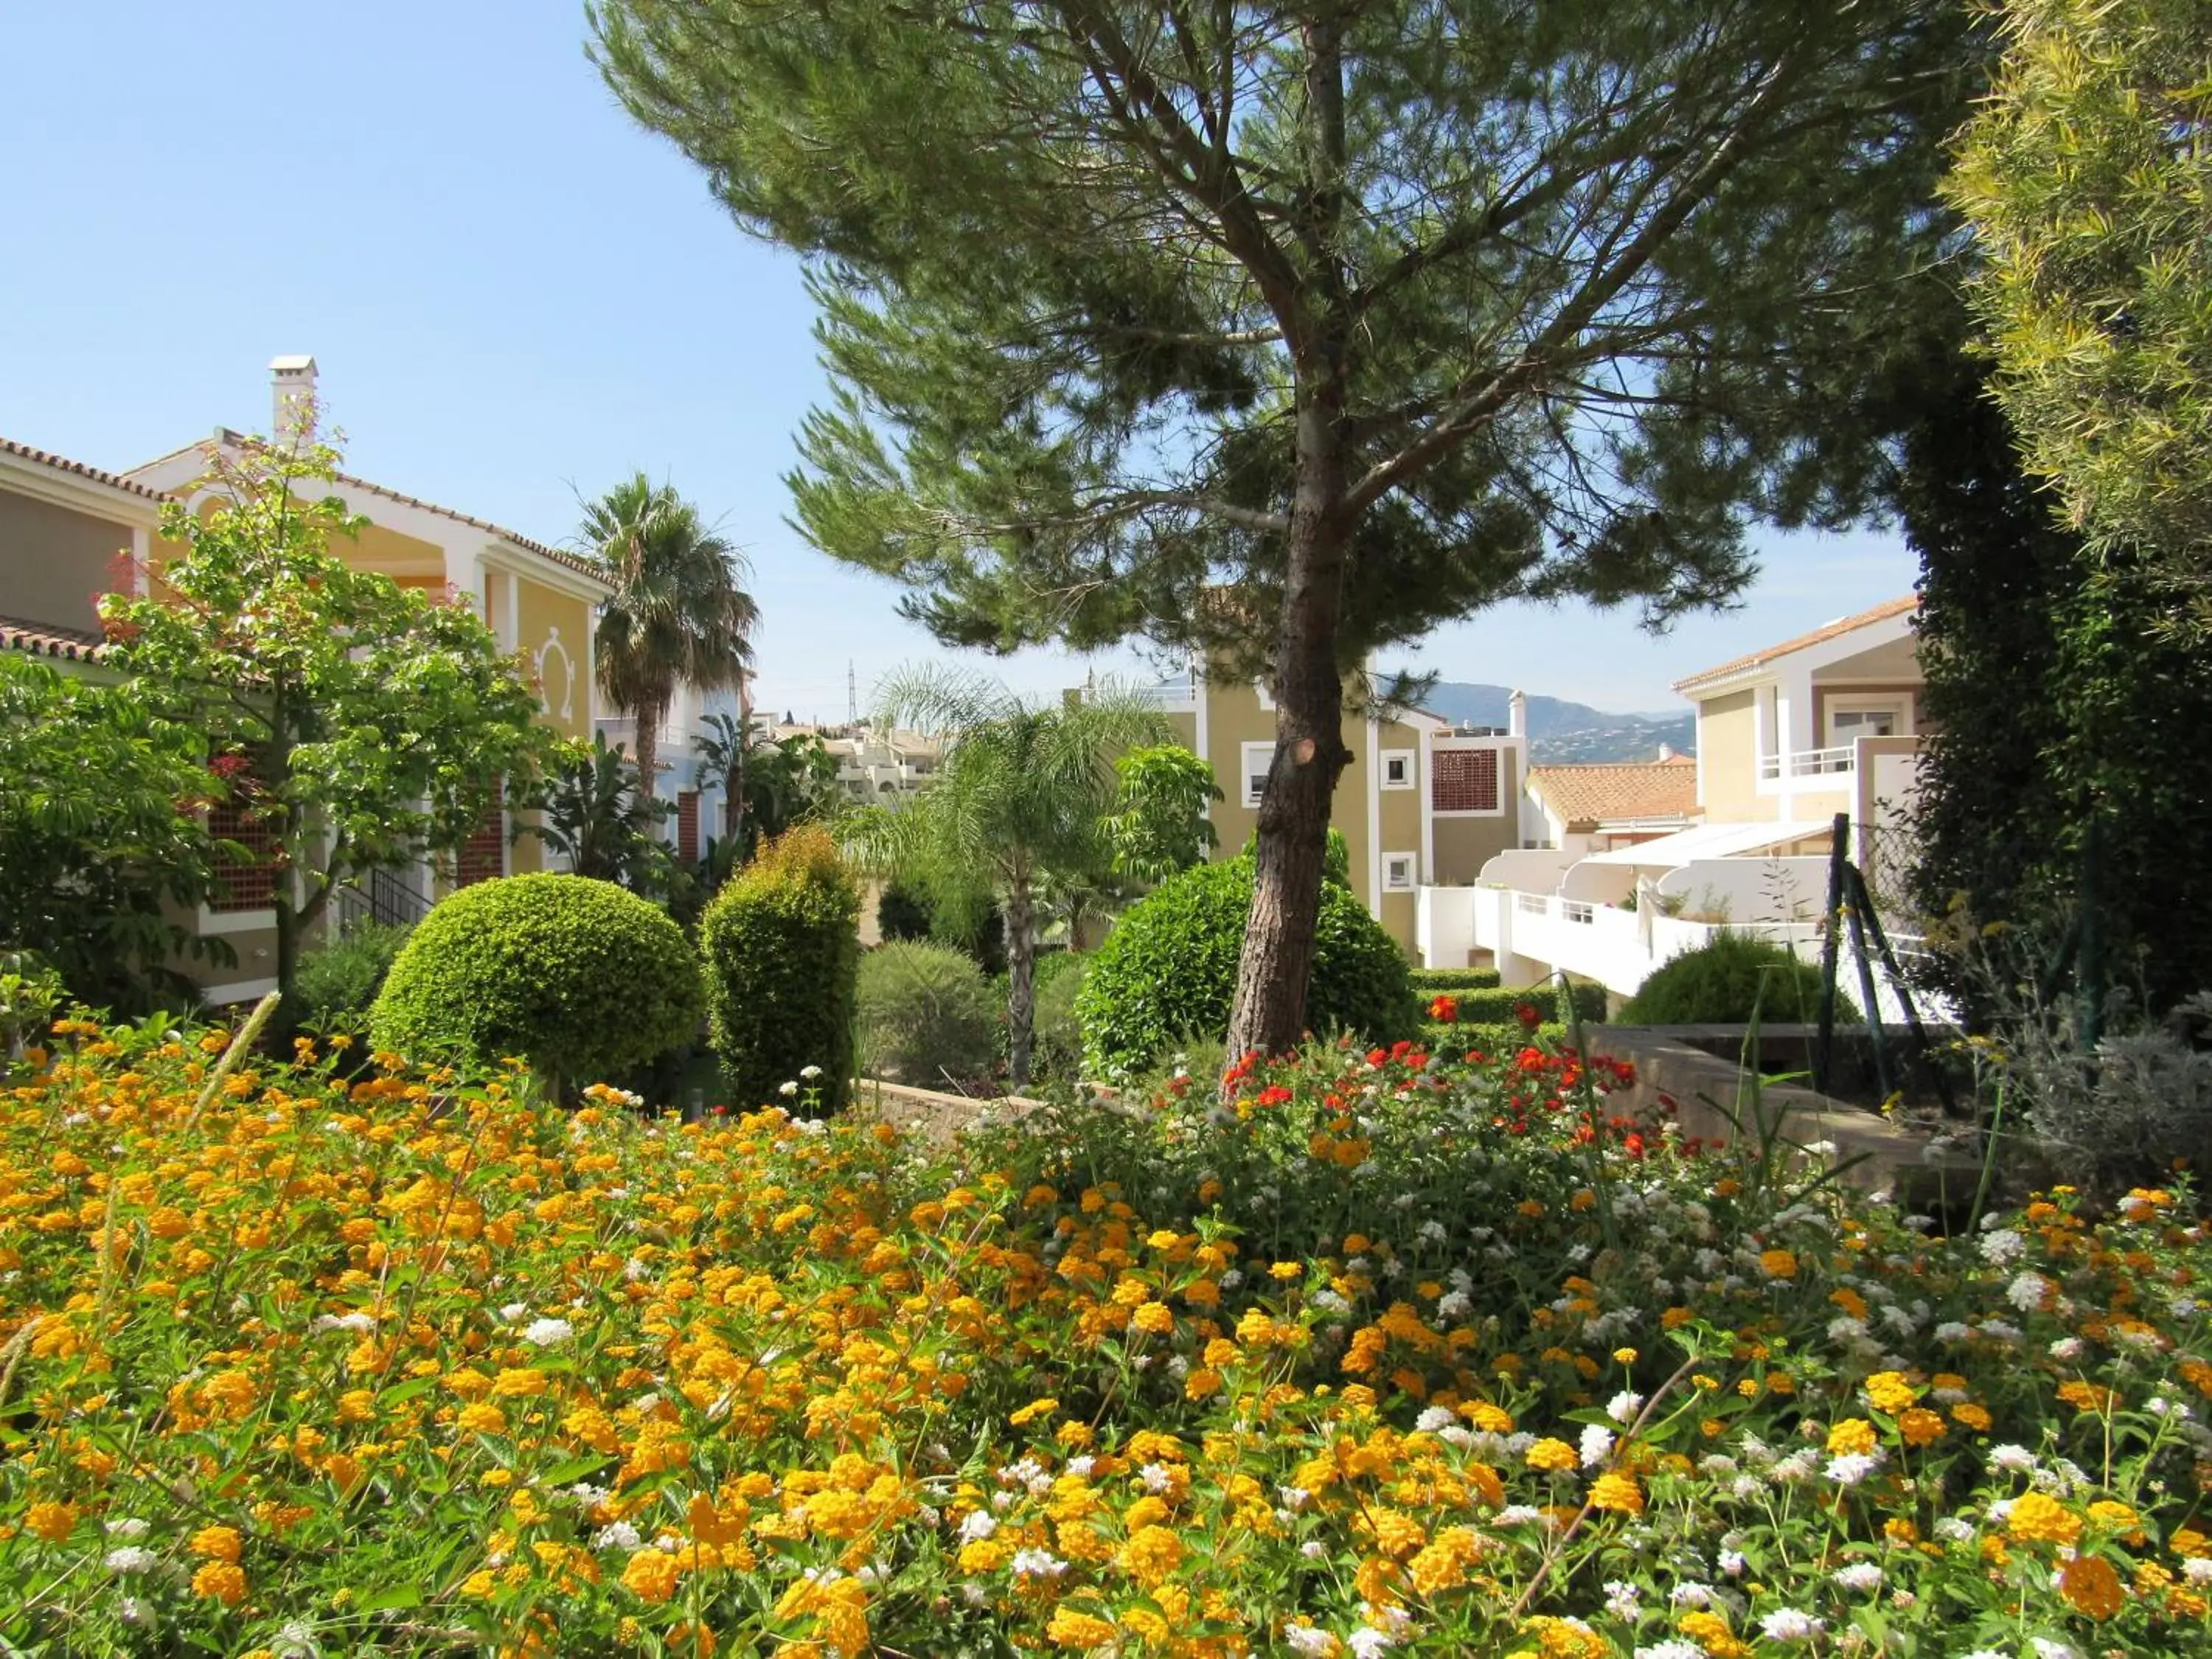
<point x="1019" y="801"/>
<point x="677" y="615"/>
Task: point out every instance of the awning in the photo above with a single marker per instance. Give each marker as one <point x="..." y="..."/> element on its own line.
<point x="1713" y="840"/>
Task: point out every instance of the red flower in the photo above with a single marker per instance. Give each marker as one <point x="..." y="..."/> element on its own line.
<point x="1527" y="1014"/>
<point x="1273" y="1095"/>
<point x="1444" y="1010"/>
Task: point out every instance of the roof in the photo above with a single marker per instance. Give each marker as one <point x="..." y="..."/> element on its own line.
<point x="1713" y="840"/>
<point x="1826" y="631"/>
<point x="42" y="640"/>
<point x="1587" y="796"/>
<point x="574" y="562"/>
<point x="63" y="464"/>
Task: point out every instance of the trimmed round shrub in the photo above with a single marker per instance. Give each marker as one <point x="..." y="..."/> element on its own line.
<point x="927" y="1015"/>
<point x="1167" y="971"/>
<point x="1721" y="983"/>
<point x="583" y="979"/>
<point x="781" y="947"/>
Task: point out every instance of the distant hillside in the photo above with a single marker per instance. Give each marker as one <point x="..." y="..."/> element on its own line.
<point x="1559" y="732"/>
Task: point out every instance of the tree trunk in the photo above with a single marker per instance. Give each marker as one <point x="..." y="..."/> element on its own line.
<point x="1268" y="1016"/>
<point x="733" y="786"/>
<point x="1021" y="977"/>
<point x="647" y="726"/>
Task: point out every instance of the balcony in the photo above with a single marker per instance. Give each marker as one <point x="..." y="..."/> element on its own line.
<point x="1808" y="763"/>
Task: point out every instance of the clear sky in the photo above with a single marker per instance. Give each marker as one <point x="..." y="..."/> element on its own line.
<point x="514" y="295"/>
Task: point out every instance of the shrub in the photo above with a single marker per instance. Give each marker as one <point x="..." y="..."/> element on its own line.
<point x="1169" y="970"/>
<point x="338" y="984"/>
<point x="1722" y="982"/>
<point x="1056" y="1029"/>
<point x="927" y="1014"/>
<point x="1507" y="1037"/>
<point x="1501" y="1006"/>
<point x="901" y="913"/>
<point x="579" y="977"/>
<point x="1428" y="981"/>
<point x="782" y="958"/>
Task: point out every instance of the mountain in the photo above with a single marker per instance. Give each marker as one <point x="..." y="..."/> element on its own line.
<point x="1559" y="732"/>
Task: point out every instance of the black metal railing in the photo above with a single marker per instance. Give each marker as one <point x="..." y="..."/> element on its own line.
<point x="384" y="896"/>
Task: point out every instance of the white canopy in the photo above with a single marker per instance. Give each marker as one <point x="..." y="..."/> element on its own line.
<point x="1712" y="841"/>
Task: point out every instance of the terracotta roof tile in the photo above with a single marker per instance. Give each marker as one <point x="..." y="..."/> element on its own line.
<point x="1587" y="796"/>
<point x="1882" y="613"/>
<point x="41" y="639"/>
<point x="63" y="464"/>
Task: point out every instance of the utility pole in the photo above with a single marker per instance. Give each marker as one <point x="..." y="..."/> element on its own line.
<point x="852" y="695"/>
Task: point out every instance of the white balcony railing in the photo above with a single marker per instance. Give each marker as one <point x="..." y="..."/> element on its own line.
<point x="1807" y="763"/>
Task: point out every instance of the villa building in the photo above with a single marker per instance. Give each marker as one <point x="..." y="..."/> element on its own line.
<point x="1421" y="803"/>
<point x="1636" y="869"/>
<point x="70" y="533"/>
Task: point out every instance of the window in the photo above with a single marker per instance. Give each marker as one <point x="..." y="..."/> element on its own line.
<point x="1259" y="760"/>
<point x="1463" y="780"/>
<point x="1399" y="872"/>
<point x="1864" y="717"/>
<point x="1398" y="769"/>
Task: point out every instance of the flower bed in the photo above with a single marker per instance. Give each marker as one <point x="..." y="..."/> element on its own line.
<point x="1392" y="1356"/>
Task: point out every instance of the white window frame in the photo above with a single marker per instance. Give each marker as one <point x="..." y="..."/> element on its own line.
<point x="1259" y="760"/>
<point x="1409" y="758"/>
<point x="1896" y="704"/>
<point x="1395" y="864"/>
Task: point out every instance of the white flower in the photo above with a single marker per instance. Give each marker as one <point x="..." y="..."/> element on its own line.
<point x="1082" y="1464"/>
<point x="1851" y="1467"/>
<point x="1998" y="1331"/>
<point x="615" y="1536"/>
<point x="1596" y="1445"/>
<point x="127" y="1528"/>
<point x="1157" y="1478"/>
<point x="133" y="1611"/>
<point x="2046" y="1647"/>
<point x="548" y="1333"/>
<point x="296" y="1639"/>
<point x="1519" y="1515"/>
<point x="2198" y="1569"/>
<point x="2028" y="1292"/>
<point x="1308" y="1641"/>
<point x="1690" y="1594"/>
<point x="1330" y="1302"/>
<point x="2066" y="1348"/>
<point x="1622" y="1599"/>
<point x="1789" y="1625"/>
<point x="1038" y="1563"/>
<point x="1623" y="1406"/>
<point x="788" y="1090"/>
<point x="1732" y="1563"/>
<point x="1367" y="1642"/>
<point x="1862" y="1576"/>
<point x="1952" y="1331"/>
<point x="809" y="1072"/>
<point x="1952" y="1530"/>
<point x="1430" y="1232"/>
<point x="131" y="1558"/>
<point x="361" y="1322"/>
<point x="1676" y="1650"/>
<point x="2013" y="1459"/>
<point x="1454" y="1304"/>
<point x="513" y="1311"/>
<point x="1313" y="1550"/>
<point x="977" y="1527"/>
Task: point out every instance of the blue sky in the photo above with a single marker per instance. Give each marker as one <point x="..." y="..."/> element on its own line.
<point x="515" y="295"/>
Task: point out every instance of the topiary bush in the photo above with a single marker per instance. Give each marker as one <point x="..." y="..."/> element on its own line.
<point x="782" y="948"/>
<point x="927" y="1014"/>
<point x="1169" y="970"/>
<point x="1722" y="983"/>
<point x="1428" y="981"/>
<point x="583" y="979"/>
<point x="1499" y="1006"/>
<point x="338" y="984"/>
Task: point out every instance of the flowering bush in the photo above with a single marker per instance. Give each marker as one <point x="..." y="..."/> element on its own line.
<point x="1382" y="1355"/>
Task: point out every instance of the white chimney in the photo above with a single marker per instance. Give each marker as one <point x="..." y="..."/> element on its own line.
<point x="292" y="399"/>
<point x="1666" y="751"/>
<point x="1516" y="716"/>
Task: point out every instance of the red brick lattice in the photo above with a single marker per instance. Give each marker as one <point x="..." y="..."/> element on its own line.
<point x="251" y="885"/>
<point x="1464" y="780"/>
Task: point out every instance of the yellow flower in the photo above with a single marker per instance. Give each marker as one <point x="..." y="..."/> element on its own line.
<point x="1777" y="1264"/>
<point x="2040" y="1518"/>
<point x="52" y="1521"/>
<point x="1151" y="1554"/>
<point x="218" y="1543"/>
<point x="2090" y="1586"/>
<point x="1071" y="1628"/>
<point x="1854" y="1436"/>
<point x="1554" y="1456"/>
<point x="1034" y="1410"/>
<point x="221" y="1581"/>
<point x="1614" y="1490"/>
<point x="483" y="1419"/>
<point x="651" y="1575"/>
<point x="1890" y="1392"/>
<point x="1156" y="1317"/>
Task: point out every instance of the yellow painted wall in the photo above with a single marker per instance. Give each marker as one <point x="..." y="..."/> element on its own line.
<point x="407" y="559"/>
<point x="55" y="561"/>
<point x="539" y="611"/>
<point x="1728" y="748"/>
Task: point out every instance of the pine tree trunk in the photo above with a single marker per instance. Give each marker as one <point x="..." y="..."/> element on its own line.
<point x="1021" y="978"/>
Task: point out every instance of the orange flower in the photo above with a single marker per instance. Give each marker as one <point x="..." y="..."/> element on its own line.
<point x="218" y="1543"/>
<point x="2040" y="1518"/>
<point x="52" y="1521"/>
<point x="1777" y="1264"/>
<point x="1616" y="1490"/>
<point x="221" y="1581"/>
<point x="2090" y="1586"/>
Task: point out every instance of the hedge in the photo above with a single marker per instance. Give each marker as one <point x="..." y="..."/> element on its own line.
<point x="927" y="1014"/>
<point x="1168" y="971"/>
<point x="583" y="979"/>
<point x="1721" y="983"/>
<point x="1498" y="1005"/>
<point x="1491" y="1040"/>
<point x="782" y="954"/>
<point x="1429" y="981"/>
